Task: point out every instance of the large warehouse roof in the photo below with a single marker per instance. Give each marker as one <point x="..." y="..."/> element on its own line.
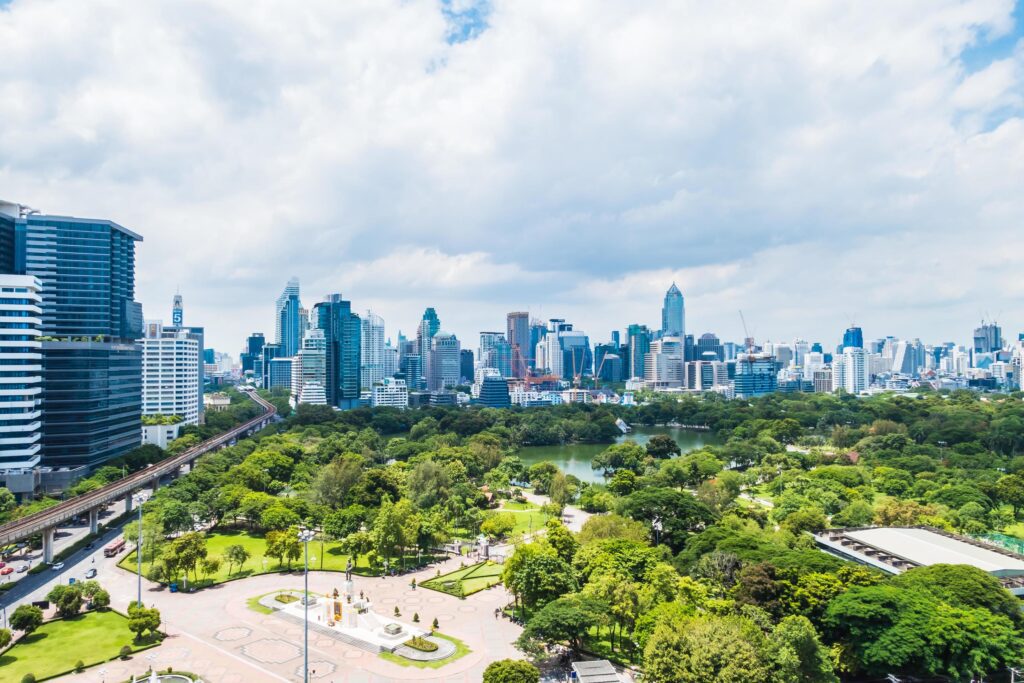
<point x="925" y="547"/>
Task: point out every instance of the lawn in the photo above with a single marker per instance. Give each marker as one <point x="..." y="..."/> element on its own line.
<point x="330" y="558"/>
<point x="529" y="517"/>
<point x="467" y="580"/>
<point x="55" y="648"/>
<point x="461" y="650"/>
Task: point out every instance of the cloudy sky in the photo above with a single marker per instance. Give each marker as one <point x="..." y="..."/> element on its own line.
<point x="808" y="162"/>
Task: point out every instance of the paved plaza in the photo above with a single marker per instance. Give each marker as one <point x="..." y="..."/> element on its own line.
<point x="214" y="632"/>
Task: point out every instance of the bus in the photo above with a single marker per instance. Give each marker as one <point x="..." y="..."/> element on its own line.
<point x="114" y="548"/>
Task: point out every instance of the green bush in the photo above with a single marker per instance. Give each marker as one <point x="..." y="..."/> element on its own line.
<point x="421" y="644"/>
<point x="28" y="678"/>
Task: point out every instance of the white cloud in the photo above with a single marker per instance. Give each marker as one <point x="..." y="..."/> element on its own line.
<point x="567" y="158"/>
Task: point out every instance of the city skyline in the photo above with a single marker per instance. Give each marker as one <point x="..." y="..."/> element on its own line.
<point x="482" y="172"/>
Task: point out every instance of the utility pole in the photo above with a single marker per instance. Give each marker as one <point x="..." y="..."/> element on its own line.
<point x="305" y="535"/>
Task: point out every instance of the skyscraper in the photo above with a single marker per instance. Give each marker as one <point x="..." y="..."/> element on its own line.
<point x="428" y="327"/>
<point x="197" y="334"/>
<point x="170" y="372"/>
<point x="21" y="361"/>
<point x="518" y="336"/>
<point x="756" y="375"/>
<point x="445" y="365"/>
<point x="371" y="370"/>
<point x="853" y="337"/>
<point x="988" y="338"/>
<point x="253" y="349"/>
<point x="639" y="339"/>
<point x="92" y="371"/>
<point x="673" y="315"/>
<point x="288" y="319"/>
<point x="496" y="352"/>
<point x="309" y="371"/>
<point x="342" y="334"/>
<point x="466" y="365"/>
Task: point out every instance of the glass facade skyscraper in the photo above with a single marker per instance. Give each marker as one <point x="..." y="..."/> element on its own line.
<point x="20" y="374"/>
<point x="289" y="319"/>
<point x="92" y="371"/>
<point x="673" y="322"/>
<point x="342" y="334"/>
<point x="853" y="338"/>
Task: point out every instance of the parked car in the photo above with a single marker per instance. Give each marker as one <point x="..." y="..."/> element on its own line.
<point x="6" y="570"/>
<point x="57" y="567"/>
<point x="2" y="565"/>
<point x="91" y="573"/>
<point x="22" y="569"/>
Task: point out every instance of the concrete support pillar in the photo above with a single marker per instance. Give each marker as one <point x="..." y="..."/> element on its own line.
<point x="94" y="521"/>
<point x="48" y="544"/>
<point x="156" y="484"/>
<point x="128" y="503"/>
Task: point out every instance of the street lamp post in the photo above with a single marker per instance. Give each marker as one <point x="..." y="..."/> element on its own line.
<point x="305" y="535"/>
<point x="139" y="500"/>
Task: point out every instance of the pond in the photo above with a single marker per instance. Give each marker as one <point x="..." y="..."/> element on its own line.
<point x="575" y="458"/>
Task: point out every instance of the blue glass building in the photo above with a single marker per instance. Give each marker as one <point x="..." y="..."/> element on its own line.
<point x="92" y="367"/>
<point x="343" y="335"/>
<point x="673" y="323"/>
<point x="853" y="337"/>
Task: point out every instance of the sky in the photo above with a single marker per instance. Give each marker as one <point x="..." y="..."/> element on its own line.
<point x="810" y="163"/>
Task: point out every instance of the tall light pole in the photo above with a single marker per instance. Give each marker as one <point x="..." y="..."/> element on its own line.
<point x="139" y="499"/>
<point x="305" y="535"/>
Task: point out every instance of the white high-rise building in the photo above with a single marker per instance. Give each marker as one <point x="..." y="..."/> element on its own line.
<point x="390" y="392"/>
<point x="813" y="361"/>
<point x="309" y="370"/>
<point x="371" y="367"/>
<point x="170" y="372"/>
<point x="850" y="371"/>
<point x="20" y="372"/>
<point x="663" y="364"/>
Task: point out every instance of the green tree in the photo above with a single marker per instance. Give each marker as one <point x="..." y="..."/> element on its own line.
<point x="1010" y="490"/>
<point x="498" y="525"/>
<point x="708" y="650"/>
<point x="800" y="653"/>
<point x="661" y="446"/>
<point x="236" y="554"/>
<point x="67" y="599"/>
<point x="535" y="575"/>
<point x="628" y="456"/>
<point x="26" y="618"/>
<point x="600" y="527"/>
<point x="142" y="619"/>
<point x="565" y="620"/>
<point x="511" y="671"/>
<point x="189" y="550"/>
<point x="5" y="638"/>
<point x="561" y="539"/>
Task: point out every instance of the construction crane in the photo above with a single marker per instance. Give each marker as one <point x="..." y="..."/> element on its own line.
<point x="746" y="334"/>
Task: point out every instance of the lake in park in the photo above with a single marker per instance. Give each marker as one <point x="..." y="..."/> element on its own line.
<point x="575" y="458"/>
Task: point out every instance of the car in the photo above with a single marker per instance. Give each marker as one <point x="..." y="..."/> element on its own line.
<point x="6" y="570"/>
<point x="2" y="565"/>
<point x="90" y="545"/>
<point x="91" y="574"/>
<point x="57" y="567"/>
<point x="22" y="569"/>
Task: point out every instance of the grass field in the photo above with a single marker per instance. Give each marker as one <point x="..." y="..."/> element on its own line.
<point x="327" y="557"/>
<point x="55" y="648"/>
<point x="467" y="580"/>
<point x="529" y="517"/>
<point x="461" y="650"/>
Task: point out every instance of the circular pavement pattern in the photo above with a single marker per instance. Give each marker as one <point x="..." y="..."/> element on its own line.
<point x="436" y="599"/>
<point x="236" y="633"/>
<point x="271" y="651"/>
<point x="317" y="669"/>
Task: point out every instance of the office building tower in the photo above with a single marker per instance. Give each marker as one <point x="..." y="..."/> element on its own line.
<point x="170" y="372"/>
<point x="371" y="369"/>
<point x="253" y="350"/>
<point x="289" y="319"/>
<point x="577" y="358"/>
<point x="390" y="393"/>
<point x="309" y="371"/>
<point x="850" y="371"/>
<point x="813" y="361"/>
<point x="709" y="343"/>
<point x="21" y="377"/>
<point x="279" y="373"/>
<point x="430" y="324"/>
<point x="663" y="364"/>
<point x="705" y="375"/>
<point x="496" y="352"/>
<point x="466" y="366"/>
<point x="390" y="359"/>
<point x="673" y="317"/>
<point x="822" y="379"/>
<point x="538" y="330"/>
<point x="550" y="348"/>
<point x="198" y="334"/>
<point x="269" y="353"/>
<point x="908" y="358"/>
<point x="494" y="391"/>
<point x="756" y="374"/>
<point x="343" y="338"/>
<point x="639" y="339"/>
<point x="411" y="367"/>
<point x="988" y="338"/>
<point x="518" y="337"/>
<point x="445" y="362"/>
<point x="853" y="337"/>
<point x="608" y="363"/>
<point x="92" y="367"/>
